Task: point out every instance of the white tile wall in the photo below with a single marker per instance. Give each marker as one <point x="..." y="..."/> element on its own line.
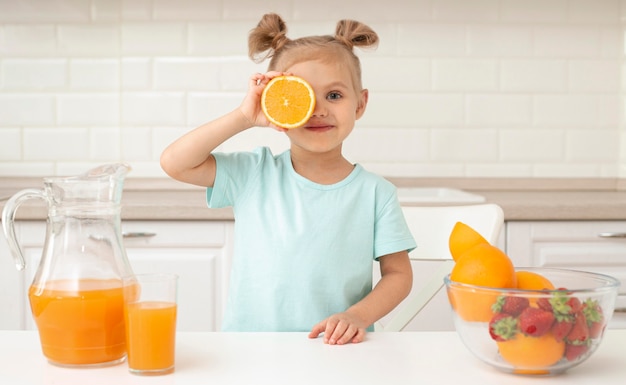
<point x="476" y="88"/>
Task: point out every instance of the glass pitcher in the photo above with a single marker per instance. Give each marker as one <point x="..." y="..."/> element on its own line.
<point x="76" y="296"/>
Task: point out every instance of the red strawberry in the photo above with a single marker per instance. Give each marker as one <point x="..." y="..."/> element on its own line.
<point x="596" y="329"/>
<point x="594" y="317"/>
<point x="562" y="303"/>
<point x="580" y="331"/>
<point x="535" y="322"/>
<point x="544" y="303"/>
<point x="574" y="304"/>
<point x="562" y="327"/>
<point x="511" y="305"/>
<point x="502" y="327"/>
<point x="573" y="352"/>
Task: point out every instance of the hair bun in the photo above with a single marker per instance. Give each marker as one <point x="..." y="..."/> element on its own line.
<point x="354" y="33"/>
<point x="269" y="36"/>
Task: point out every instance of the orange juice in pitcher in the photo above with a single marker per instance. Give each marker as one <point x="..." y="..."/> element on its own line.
<point x="76" y="295"/>
<point x="80" y="322"/>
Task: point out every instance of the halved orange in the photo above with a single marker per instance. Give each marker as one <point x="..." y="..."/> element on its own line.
<point x="288" y="101"/>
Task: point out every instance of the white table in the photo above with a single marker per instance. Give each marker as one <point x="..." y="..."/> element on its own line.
<point x="291" y="358"/>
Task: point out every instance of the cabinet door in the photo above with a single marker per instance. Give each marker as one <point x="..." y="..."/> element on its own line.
<point x="573" y="245"/>
<point x="197" y="251"/>
<point x="10" y="289"/>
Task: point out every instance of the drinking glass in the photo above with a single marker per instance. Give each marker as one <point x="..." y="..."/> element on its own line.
<point x="150" y="315"/>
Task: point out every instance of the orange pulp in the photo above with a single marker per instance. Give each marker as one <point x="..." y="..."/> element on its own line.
<point x="80" y="322"/>
<point x="151" y="335"/>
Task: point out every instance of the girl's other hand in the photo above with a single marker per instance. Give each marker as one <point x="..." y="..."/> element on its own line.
<point x="340" y="329"/>
<point x="251" y="105"/>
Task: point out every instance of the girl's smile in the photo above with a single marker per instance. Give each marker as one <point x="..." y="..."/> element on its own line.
<point x="317" y="125"/>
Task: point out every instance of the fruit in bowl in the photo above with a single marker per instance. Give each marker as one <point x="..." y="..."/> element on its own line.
<point x="527" y="320"/>
<point x="539" y="331"/>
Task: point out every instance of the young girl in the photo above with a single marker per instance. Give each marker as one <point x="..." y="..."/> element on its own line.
<point x="308" y="223"/>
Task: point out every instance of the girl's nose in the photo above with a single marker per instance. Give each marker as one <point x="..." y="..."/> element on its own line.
<point x="320" y="109"/>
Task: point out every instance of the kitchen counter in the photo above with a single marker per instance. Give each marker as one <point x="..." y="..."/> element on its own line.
<point x="160" y="199"/>
<point x="291" y="358"/>
<point x="559" y="205"/>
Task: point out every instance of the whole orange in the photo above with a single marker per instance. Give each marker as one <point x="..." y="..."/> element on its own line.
<point x="482" y="265"/>
<point x="472" y="304"/>
<point x="485" y="265"/>
<point x="532" y="353"/>
<point x="529" y="280"/>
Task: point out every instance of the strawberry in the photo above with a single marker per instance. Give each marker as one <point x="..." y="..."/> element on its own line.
<point x="544" y="303"/>
<point x="561" y="327"/>
<point x="573" y="352"/>
<point x="562" y="303"/>
<point x="580" y="331"/>
<point x="511" y="305"/>
<point x="535" y="322"/>
<point x="575" y="305"/>
<point x="502" y="327"/>
<point x="594" y="317"/>
<point x="596" y="329"/>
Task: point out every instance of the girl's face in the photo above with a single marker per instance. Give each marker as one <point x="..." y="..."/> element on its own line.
<point x="338" y="106"/>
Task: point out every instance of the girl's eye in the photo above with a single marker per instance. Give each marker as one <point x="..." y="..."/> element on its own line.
<point x="333" y="96"/>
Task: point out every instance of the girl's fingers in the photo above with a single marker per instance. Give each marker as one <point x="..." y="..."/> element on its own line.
<point x="256" y="79"/>
<point x="337" y="335"/>
<point x="348" y="335"/>
<point x="359" y="337"/>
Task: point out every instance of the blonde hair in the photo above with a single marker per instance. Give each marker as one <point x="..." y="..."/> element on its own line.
<point x="269" y="41"/>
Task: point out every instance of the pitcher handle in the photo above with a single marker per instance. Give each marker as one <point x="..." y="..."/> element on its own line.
<point x="8" y="222"/>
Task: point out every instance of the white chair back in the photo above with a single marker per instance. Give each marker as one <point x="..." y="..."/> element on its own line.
<point x="431" y="227"/>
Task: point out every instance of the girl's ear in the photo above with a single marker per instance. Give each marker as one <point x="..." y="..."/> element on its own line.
<point x="360" y="109"/>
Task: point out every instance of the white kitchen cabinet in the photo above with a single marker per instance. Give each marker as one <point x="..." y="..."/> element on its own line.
<point x="198" y="251"/>
<point x="10" y="289"/>
<point x="573" y="245"/>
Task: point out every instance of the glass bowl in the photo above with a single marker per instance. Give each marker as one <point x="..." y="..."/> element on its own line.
<point x="563" y="328"/>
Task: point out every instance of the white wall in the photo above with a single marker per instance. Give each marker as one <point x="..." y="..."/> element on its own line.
<point x="493" y="88"/>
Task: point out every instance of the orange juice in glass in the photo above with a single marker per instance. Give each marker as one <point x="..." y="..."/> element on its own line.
<point x="80" y="322"/>
<point x="150" y="314"/>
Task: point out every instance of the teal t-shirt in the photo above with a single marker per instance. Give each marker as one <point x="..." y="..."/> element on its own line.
<point x="303" y="251"/>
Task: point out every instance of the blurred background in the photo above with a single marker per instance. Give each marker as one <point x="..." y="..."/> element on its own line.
<point x="458" y="88"/>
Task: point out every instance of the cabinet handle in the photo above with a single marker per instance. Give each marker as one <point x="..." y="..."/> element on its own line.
<point x="138" y="235"/>
<point x="619" y="310"/>
<point x="612" y="235"/>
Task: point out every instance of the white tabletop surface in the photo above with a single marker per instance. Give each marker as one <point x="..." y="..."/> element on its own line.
<point x="291" y="358"/>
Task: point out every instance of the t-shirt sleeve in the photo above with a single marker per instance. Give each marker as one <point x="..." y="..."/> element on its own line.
<point x="235" y="172"/>
<point x="391" y="234"/>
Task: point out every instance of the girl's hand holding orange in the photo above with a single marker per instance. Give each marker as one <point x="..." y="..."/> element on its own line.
<point x="251" y="105"/>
